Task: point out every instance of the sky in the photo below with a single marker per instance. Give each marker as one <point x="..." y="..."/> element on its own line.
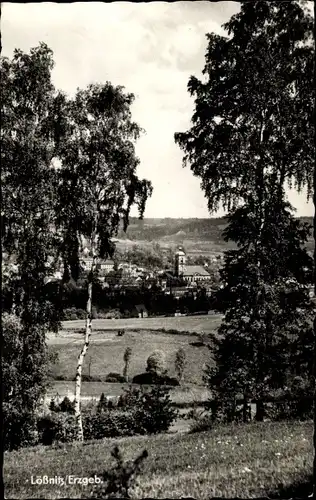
<point x="151" y="49"/>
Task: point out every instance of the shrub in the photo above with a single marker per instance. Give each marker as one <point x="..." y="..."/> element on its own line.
<point x="72" y="314"/>
<point x="156" y="363"/>
<point x="180" y="363"/>
<point x="153" y="409"/>
<point x="300" y="409"/>
<point x="113" y="314"/>
<point x="105" y="403"/>
<point x="114" y="423"/>
<point x="153" y="379"/>
<point x="201" y="421"/>
<point x="120" y="479"/>
<point x="155" y="413"/>
<point x="65" y="406"/>
<point x="18" y="427"/>
<point x="115" y="377"/>
<point x="127" y="359"/>
<point x="56" y="427"/>
<point x="90" y="378"/>
<point x="25" y="364"/>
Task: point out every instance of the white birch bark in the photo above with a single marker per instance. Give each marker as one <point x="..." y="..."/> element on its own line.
<point x="88" y="331"/>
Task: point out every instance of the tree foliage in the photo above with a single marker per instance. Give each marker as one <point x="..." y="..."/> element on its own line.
<point x="98" y="184"/>
<point x="28" y="239"/>
<point x="252" y="126"/>
<point x="156" y="363"/>
<point x="251" y="136"/>
<point x="180" y="363"/>
<point x="265" y="340"/>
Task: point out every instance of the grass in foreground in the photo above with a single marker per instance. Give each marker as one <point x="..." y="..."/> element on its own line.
<point x="244" y="461"/>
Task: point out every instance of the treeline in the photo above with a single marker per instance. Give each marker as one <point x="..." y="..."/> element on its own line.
<point x="208" y="229"/>
<point x="71" y="300"/>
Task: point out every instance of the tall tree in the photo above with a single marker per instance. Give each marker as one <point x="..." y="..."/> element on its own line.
<point x="314" y="371"/>
<point x="252" y="131"/>
<point x="268" y="348"/>
<point x="98" y="184"/>
<point x="28" y="193"/>
<point x="252" y="126"/>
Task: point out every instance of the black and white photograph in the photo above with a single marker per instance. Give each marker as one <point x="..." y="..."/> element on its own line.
<point x="158" y="228"/>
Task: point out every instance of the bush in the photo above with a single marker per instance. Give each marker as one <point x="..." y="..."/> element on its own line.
<point x="25" y="365"/>
<point x="66" y="406"/>
<point x="104" y="403"/>
<point x="180" y="363"/>
<point x="115" y="377"/>
<point x="156" y="413"/>
<point x="156" y="363"/>
<point x="201" y="421"/>
<point x="72" y="314"/>
<point x="90" y="378"/>
<point x="137" y="412"/>
<point x="18" y="427"/>
<point x="56" y="427"/>
<point x="300" y="409"/>
<point x="112" y="314"/>
<point x="117" y="481"/>
<point x="152" y="379"/>
<point x="153" y="410"/>
<point x="114" y="423"/>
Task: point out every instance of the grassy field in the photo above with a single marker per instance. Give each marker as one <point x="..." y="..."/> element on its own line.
<point x="232" y="461"/>
<point x="198" y="324"/>
<point x="106" y="350"/>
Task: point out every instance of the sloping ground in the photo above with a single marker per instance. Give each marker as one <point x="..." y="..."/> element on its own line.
<point x="247" y="461"/>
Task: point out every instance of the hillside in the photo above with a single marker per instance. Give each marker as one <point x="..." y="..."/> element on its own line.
<point x="202" y="232"/>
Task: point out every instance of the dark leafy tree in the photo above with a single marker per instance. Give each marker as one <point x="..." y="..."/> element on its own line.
<point x="252" y="135"/>
<point x="98" y="185"/>
<point x="264" y="349"/>
<point x="252" y="127"/>
<point x="28" y="182"/>
<point x="314" y="367"/>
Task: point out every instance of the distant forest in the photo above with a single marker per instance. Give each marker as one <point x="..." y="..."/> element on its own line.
<point x="178" y="230"/>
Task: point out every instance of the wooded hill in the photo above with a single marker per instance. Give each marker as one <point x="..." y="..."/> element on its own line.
<point x="178" y="230"/>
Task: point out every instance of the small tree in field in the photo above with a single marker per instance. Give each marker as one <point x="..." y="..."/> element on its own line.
<point x="156" y="364"/>
<point x="127" y="359"/>
<point x="180" y="363"/>
<point x="98" y="185"/>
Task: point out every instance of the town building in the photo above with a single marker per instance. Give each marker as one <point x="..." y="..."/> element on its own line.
<point x="106" y="265"/>
<point x="189" y="274"/>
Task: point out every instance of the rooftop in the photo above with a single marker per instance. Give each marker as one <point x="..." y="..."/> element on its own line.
<point x="192" y="270"/>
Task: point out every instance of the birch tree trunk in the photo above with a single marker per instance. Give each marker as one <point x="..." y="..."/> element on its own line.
<point x="88" y="331"/>
<point x="314" y="365"/>
<point x="261" y="201"/>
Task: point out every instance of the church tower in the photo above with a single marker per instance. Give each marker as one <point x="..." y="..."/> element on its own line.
<point x="180" y="262"/>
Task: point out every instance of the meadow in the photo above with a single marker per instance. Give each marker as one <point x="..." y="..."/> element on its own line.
<point x="106" y="350"/>
<point x="195" y="324"/>
<point x="248" y="461"/>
